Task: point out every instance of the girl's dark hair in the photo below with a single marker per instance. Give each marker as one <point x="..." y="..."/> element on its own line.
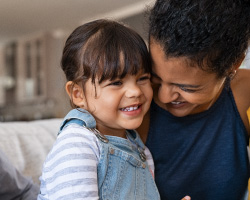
<point x="104" y="49"/>
<point x="212" y="34"/>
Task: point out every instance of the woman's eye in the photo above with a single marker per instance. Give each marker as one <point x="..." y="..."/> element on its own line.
<point x="187" y="90"/>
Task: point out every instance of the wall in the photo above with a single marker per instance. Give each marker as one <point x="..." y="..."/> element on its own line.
<point x="15" y="103"/>
<point x="23" y="101"/>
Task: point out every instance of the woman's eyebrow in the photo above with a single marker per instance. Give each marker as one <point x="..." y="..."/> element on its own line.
<point x="177" y="84"/>
<point x="186" y="85"/>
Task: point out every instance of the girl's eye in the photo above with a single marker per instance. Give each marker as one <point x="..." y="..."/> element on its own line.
<point x="116" y="83"/>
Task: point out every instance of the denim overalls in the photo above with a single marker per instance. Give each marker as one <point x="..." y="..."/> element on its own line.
<point x="123" y="172"/>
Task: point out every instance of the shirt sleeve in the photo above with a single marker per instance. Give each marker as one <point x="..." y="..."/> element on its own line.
<point x="150" y="160"/>
<point x="70" y="170"/>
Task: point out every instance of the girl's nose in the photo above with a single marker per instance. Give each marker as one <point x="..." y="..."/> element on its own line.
<point x="167" y="94"/>
<point x="133" y="91"/>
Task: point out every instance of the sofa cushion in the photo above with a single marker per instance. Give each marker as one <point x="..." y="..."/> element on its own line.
<point x="27" y="144"/>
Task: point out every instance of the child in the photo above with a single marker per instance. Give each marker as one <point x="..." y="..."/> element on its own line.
<point x="97" y="154"/>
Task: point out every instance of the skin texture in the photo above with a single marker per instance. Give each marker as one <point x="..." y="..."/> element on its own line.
<point x="185" y="90"/>
<point x="111" y="102"/>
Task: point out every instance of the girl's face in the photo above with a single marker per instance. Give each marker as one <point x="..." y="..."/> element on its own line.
<point x="180" y="89"/>
<point x="119" y="104"/>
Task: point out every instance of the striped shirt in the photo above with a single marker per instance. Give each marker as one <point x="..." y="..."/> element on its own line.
<point x="70" y="169"/>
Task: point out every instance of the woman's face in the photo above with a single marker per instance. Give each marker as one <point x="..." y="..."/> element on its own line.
<point x="179" y="88"/>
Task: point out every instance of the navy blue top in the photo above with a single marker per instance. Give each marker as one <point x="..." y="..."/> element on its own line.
<point x="202" y="155"/>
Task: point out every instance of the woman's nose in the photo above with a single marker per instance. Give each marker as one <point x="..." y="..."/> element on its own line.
<point x="167" y="94"/>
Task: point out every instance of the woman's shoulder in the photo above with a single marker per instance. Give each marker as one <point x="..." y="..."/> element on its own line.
<point x="240" y="86"/>
<point x="242" y="74"/>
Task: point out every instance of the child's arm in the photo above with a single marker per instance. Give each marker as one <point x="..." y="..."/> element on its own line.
<point x="70" y="171"/>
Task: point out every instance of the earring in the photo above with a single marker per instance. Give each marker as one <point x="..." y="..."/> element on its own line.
<point x="232" y="74"/>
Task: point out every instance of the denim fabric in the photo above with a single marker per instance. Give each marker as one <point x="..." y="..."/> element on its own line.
<point x="122" y="174"/>
<point x="84" y="116"/>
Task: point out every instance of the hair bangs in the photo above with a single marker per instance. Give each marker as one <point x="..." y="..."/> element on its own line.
<point x="120" y="65"/>
<point x="113" y="54"/>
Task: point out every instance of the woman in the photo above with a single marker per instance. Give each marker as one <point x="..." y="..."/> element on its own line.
<point x="198" y="130"/>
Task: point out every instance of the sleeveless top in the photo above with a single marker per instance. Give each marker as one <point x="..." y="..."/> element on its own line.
<point x="202" y="155"/>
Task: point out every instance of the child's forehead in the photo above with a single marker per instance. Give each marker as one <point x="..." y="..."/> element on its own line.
<point x="119" y="72"/>
<point x="98" y="77"/>
<point x="123" y="62"/>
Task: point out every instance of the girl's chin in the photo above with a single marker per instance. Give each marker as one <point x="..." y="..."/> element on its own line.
<point x="134" y="125"/>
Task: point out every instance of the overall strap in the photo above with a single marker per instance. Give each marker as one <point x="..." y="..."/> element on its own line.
<point x="134" y="137"/>
<point x="83" y="118"/>
<point x="79" y="116"/>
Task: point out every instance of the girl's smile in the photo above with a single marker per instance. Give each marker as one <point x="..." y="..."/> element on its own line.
<point x="132" y="110"/>
<point x="120" y="104"/>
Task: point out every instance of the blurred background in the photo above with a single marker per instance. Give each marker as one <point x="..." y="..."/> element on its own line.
<point x="32" y="36"/>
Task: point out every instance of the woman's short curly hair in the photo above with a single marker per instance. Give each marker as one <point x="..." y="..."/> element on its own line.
<point x="212" y="34"/>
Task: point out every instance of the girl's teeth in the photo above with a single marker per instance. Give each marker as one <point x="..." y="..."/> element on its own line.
<point x="130" y="108"/>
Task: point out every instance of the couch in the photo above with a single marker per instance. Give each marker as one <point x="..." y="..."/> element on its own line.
<point x="27" y="144"/>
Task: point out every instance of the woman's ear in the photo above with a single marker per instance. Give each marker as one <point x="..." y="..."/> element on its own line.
<point x="75" y="93"/>
<point x="232" y="72"/>
<point x="238" y="64"/>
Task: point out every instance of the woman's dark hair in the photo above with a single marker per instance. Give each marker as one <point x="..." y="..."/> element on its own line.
<point x="212" y="34"/>
<point x="104" y="49"/>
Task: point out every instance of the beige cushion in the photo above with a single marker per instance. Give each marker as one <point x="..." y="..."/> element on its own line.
<point x="27" y="144"/>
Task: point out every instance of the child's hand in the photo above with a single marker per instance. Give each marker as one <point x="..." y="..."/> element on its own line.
<point x="186" y="198"/>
